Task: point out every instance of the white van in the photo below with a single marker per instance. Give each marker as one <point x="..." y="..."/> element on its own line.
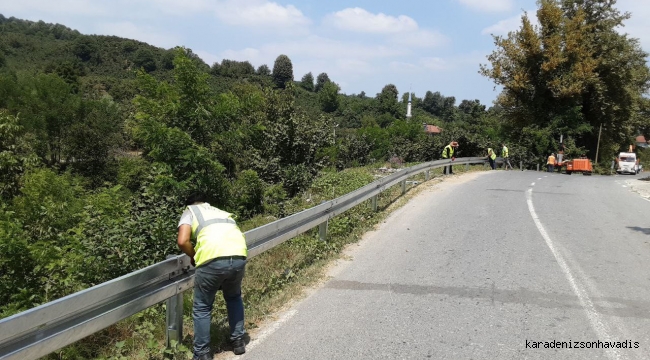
<point x="627" y="164"/>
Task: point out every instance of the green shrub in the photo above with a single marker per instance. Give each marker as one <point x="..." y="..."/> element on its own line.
<point x="132" y="172"/>
<point x="248" y="193"/>
<point x="273" y="200"/>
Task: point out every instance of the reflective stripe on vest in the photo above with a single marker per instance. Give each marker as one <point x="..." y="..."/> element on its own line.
<point x="216" y="234"/>
<point x="202" y="223"/>
<point x="451" y="151"/>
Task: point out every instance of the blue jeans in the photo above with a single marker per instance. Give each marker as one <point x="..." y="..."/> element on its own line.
<point x="218" y="274"/>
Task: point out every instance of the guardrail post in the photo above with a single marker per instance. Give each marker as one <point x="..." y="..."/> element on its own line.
<point x="403" y="187"/>
<point x="374" y="203"/>
<point x="466" y="167"/>
<point x="174" y="318"/>
<point x="322" y="231"/>
<point x="426" y="175"/>
<point x="521" y="165"/>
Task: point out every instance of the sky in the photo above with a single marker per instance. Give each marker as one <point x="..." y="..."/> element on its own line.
<point x="417" y="45"/>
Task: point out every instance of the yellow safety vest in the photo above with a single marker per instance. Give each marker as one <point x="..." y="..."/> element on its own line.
<point x="493" y="156"/>
<point x="216" y="233"/>
<point x="451" y="151"/>
<point x="551" y="160"/>
<point x="504" y="152"/>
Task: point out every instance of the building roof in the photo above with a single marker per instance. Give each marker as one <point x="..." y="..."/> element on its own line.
<point x="432" y="129"/>
<point x="641" y="142"/>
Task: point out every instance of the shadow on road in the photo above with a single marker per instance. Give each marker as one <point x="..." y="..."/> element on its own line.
<point x="606" y="305"/>
<point x="640" y="229"/>
<point x="536" y="192"/>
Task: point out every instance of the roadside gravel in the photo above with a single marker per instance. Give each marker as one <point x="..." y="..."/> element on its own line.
<point x="640" y="186"/>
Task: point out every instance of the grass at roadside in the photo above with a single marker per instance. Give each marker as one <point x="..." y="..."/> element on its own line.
<point x="273" y="279"/>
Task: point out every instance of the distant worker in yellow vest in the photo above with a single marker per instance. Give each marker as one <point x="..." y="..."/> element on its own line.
<point x="448" y="153"/>
<point x="220" y="260"/>
<point x="550" y="164"/>
<point x="492" y="157"/>
<point x="505" y="154"/>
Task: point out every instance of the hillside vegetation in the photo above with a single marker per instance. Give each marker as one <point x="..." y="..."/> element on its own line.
<point x="102" y="137"/>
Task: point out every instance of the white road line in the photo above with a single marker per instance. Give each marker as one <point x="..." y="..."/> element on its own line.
<point x="594" y="318"/>
<point x="533" y="184"/>
<point x="613" y="320"/>
<point x="260" y="336"/>
<point x="539" y="178"/>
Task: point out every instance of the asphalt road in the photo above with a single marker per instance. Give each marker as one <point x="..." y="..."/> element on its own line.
<point x="486" y="266"/>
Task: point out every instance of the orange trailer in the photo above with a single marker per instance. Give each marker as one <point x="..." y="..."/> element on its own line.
<point x="578" y="165"/>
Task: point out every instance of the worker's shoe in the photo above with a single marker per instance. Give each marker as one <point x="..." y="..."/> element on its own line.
<point x="207" y="356"/>
<point x="239" y="346"/>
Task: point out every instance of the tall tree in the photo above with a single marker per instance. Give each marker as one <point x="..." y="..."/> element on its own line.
<point x="307" y="82"/>
<point x="471" y="110"/>
<point x="329" y="97"/>
<point x="174" y="123"/>
<point x="282" y="71"/>
<point x="571" y="74"/>
<point x="387" y="101"/>
<point x="263" y="70"/>
<point x="321" y="80"/>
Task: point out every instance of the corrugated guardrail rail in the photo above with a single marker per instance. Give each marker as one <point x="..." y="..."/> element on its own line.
<point x="49" y="327"/>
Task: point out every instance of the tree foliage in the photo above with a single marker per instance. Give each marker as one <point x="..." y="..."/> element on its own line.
<point x="282" y="71"/>
<point x="329" y="97"/>
<point x="387" y="101"/>
<point x="571" y="74"/>
<point x="16" y="155"/>
<point x="232" y="68"/>
<point x="263" y="70"/>
<point x="321" y="80"/>
<point x="145" y="59"/>
<point x="307" y="82"/>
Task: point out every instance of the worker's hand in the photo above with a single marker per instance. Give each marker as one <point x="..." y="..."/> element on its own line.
<point x="453" y="159"/>
<point x="192" y="261"/>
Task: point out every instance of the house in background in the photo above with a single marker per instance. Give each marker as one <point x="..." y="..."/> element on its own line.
<point x="432" y="129"/>
<point x="641" y="142"/>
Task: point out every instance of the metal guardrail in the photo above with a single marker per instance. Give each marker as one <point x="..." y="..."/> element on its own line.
<point x="49" y="327"/>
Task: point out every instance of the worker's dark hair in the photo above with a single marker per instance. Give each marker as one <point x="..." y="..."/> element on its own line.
<point x="195" y="197"/>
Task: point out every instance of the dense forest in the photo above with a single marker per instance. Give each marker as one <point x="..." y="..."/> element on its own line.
<point x="101" y="137"/>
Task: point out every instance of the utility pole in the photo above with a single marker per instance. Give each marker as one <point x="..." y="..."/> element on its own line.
<point x="598" y="145"/>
